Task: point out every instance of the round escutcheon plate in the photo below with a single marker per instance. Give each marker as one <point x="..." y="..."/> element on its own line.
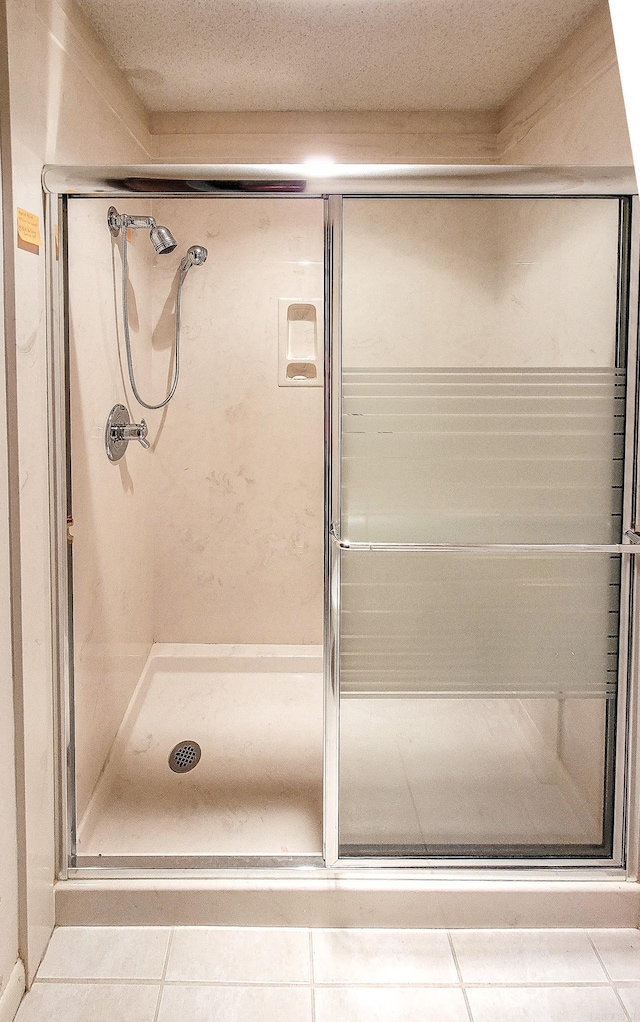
<point x="118" y="416"/>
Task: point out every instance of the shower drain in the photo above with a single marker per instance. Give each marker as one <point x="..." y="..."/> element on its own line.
<point x="184" y="757"/>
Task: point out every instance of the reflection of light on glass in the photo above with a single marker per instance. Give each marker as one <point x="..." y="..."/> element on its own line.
<point x="320" y="166"/>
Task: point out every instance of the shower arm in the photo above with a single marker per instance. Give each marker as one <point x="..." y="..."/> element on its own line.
<point x="120" y="221"/>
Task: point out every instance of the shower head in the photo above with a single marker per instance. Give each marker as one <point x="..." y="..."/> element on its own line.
<point x="195" y="256"/>
<point x="162" y="239"/>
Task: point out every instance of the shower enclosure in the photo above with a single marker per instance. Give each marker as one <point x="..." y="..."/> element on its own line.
<point x="433" y="663"/>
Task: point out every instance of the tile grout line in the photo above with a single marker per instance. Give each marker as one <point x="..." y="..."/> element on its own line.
<point x="165" y="966"/>
<point x="312" y="977"/>
<point x="459" y="972"/>
<point x="606" y="972"/>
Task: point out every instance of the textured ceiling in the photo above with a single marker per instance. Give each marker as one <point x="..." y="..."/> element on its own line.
<point x="331" y="54"/>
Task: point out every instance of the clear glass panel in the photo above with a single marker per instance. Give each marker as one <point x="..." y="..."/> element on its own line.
<point x="483" y="403"/>
<point x="197" y="564"/>
<point x="476" y="697"/>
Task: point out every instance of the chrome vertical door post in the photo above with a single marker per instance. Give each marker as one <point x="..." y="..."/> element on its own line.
<point x="627" y="781"/>
<point x="333" y="461"/>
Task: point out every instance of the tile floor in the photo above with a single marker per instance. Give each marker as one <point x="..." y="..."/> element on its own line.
<point x="229" y="974"/>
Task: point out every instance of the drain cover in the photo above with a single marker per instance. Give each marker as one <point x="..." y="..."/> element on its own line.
<point x="184" y="757"/>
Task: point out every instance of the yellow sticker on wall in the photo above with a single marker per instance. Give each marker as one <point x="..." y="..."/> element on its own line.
<point x="29" y="228"/>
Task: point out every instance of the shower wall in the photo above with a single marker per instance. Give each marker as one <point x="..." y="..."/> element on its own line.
<point x="238" y="461"/>
<point x="112" y="546"/>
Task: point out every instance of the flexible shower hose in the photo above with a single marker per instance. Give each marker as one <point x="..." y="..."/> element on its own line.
<point x="127" y="338"/>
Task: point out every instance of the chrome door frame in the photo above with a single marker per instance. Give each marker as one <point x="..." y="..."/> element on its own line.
<point x="335" y="183"/>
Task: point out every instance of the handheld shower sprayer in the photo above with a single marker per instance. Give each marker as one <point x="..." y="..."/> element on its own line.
<point x="164" y="242"/>
<point x="195" y="256"/>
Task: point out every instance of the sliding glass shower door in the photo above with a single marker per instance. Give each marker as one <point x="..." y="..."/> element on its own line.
<point x="483" y="596"/>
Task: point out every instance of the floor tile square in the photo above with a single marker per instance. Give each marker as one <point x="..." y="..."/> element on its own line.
<point x="527" y="956"/>
<point x="620" y="952"/>
<point x="88" y="1002"/>
<point x="382" y="956"/>
<point x="105" y="952"/>
<point x="631" y="1000"/>
<point x="235" y="1004"/>
<point x="375" y="1004"/>
<point x="227" y="954"/>
<point x="545" y="1004"/>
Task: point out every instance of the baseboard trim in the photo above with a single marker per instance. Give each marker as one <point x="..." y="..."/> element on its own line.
<point x="13" y="993"/>
<point x="348" y="903"/>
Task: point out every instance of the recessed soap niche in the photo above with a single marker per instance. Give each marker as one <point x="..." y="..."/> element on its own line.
<point x="300" y="342"/>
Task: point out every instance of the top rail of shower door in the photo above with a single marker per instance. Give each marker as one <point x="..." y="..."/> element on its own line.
<point x="631" y="547"/>
<point x="305" y="179"/>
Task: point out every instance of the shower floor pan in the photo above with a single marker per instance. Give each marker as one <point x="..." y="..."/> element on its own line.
<point x="412" y="771"/>
<point x="256" y="714"/>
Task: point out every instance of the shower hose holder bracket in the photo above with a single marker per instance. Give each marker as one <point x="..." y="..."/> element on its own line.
<point x="120" y="431"/>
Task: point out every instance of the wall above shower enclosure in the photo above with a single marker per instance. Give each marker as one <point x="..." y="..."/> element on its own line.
<point x="569" y="111"/>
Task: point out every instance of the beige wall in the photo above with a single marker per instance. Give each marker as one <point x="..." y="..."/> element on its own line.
<point x="68" y="104"/>
<point x="8" y="808"/>
<point x="344" y="136"/>
<point x="238" y="460"/>
<point x="112" y="548"/>
<point x="626" y="25"/>
<point x="571" y="111"/>
<point x="9" y="905"/>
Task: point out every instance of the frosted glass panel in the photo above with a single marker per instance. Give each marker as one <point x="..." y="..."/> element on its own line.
<point x="483" y="456"/>
<point x="449" y="624"/>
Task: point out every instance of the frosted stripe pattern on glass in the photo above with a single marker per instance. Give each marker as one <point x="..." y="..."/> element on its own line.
<point x="483" y="455"/>
<point x="442" y="624"/>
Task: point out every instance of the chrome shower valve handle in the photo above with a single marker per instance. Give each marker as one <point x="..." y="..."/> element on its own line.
<point x="120" y="432"/>
<point x="134" y="431"/>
